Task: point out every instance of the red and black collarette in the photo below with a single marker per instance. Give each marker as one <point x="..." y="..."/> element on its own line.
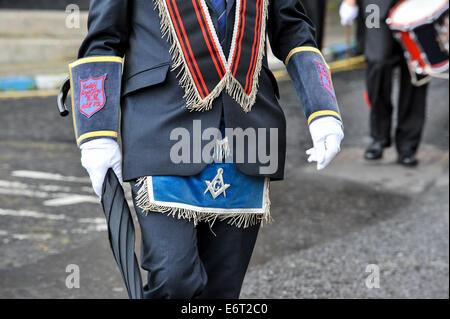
<point x="196" y="49"/>
<point x="245" y="55"/>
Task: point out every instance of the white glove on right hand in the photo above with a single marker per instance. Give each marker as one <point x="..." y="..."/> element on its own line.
<point x="348" y="13"/>
<point x="97" y="156"/>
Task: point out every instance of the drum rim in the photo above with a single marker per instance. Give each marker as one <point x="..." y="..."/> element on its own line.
<point x="414" y="24"/>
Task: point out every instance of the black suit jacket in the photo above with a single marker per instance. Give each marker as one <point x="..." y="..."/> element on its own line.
<point x="152" y="99"/>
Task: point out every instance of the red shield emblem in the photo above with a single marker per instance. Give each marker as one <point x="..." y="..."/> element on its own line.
<point x="326" y="79"/>
<point x="92" y="95"/>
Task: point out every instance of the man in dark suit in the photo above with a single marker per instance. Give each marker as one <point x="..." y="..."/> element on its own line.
<point x="383" y="55"/>
<point x="190" y="83"/>
<point x="316" y="11"/>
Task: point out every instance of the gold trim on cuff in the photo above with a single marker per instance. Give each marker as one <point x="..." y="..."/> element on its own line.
<point x="323" y="113"/>
<point x="97" y="134"/>
<point x="93" y="59"/>
<point x="304" y="49"/>
<point x="76" y="63"/>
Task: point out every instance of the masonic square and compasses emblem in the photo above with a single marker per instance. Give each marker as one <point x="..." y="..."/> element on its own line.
<point x="217" y="186"/>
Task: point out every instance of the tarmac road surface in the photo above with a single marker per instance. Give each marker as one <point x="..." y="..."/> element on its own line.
<point x="329" y="226"/>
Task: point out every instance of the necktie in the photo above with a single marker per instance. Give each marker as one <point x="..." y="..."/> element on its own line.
<point x="220" y="6"/>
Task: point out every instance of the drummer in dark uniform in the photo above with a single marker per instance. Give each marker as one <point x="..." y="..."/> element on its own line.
<point x="316" y="10"/>
<point x="383" y="54"/>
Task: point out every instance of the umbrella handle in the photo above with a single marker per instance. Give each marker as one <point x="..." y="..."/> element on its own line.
<point x="62" y="96"/>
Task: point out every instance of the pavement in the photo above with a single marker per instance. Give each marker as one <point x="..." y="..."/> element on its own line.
<point x="36" y="42"/>
<point x="37" y="45"/>
<point x="329" y="226"/>
<point x="409" y="247"/>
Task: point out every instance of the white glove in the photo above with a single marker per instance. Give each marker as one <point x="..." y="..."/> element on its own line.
<point x="327" y="135"/>
<point x="97" y="156"/>
<point x="348" y="13"/>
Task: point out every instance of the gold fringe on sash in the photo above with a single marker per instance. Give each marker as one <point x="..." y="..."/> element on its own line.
<point x="234" y="88"/>
<point x="194" y="102"/>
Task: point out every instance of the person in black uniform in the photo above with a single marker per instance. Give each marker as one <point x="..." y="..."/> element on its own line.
<point x="360" y="29"/>
<point x="383" y="55"/>
<point x="316" y="9"/>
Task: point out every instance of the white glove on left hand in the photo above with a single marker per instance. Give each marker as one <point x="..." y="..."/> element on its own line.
<point x="327" y="135"/>
<point x="97" y="156"/>
<point x="348" y="13"/>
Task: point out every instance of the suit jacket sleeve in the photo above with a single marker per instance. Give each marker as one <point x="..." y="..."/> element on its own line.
<point x="292" y="38"/>
<point x="97" y="74"/>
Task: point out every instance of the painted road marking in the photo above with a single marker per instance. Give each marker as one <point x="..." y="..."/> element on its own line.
<point x="24" y="192"/>
<point x="31" y="236"/>
<point x="56" y="199"/>
<point x="71" y="200"/>
<point x="88" y="225"/>
<point x="62" y="199"/>
<point x="27" y="94"/>
<point x="91" y="228"/>
<point x="34" y="214"/>
<point x="92" y="220"/>
<point x="44" y="188"/>
<point x="31" y="214"/>
<point x="50" y="176"/>
<point x="4" y="233"/>
<point x="95" y="224"/>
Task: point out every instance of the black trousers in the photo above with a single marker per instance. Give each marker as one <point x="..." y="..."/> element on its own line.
<point x="187" y="262"/>
<point x="316" y="10"/>
<point x="384" y="54"/>
<point x="360" y="28"/>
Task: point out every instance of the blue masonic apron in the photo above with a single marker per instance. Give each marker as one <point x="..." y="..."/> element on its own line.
<point x="220" y="191"/>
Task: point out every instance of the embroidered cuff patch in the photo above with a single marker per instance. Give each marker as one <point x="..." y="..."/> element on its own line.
<point x="325" y="78"/>
<point x="92" y="95"/>
<point x="96" y="85"/>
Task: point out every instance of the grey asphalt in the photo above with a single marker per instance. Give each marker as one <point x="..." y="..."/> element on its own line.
<point x="328" y="226"/>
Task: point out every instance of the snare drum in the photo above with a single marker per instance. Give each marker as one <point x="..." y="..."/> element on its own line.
<point x="421" y="26"/>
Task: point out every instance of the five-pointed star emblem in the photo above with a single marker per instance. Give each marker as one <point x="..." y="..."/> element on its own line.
<point x="217" y="186"/>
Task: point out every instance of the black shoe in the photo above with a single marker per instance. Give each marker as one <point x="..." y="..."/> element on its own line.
<point x="375" y="151"/>
<point x="408" y="160"/>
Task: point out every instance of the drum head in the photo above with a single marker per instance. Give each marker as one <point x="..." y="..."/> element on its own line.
<point x="409" y="14"/>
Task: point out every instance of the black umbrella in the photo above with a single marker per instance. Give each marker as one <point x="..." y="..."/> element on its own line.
<point x="121" y="234"/>
<point x="118" y="217"/>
